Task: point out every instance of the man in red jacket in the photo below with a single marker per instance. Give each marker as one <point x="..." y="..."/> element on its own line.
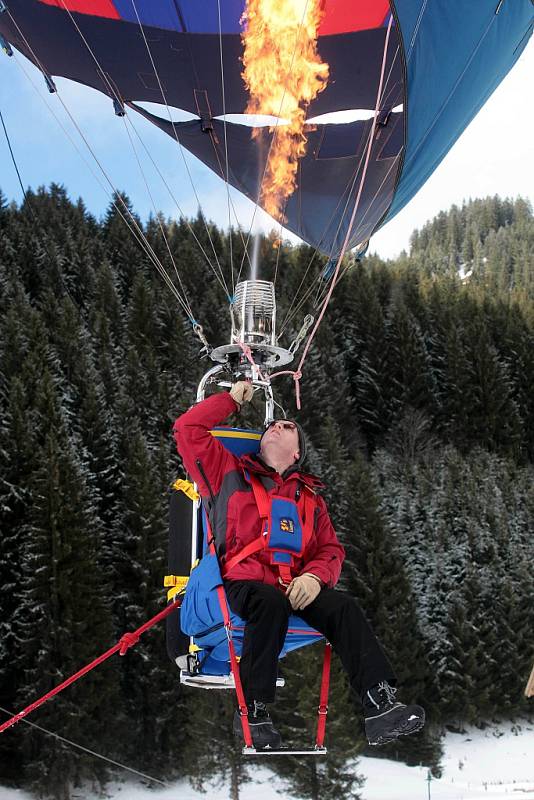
<point x="268" y="495"/>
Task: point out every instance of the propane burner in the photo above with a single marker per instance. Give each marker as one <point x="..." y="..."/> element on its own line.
<point x="253" y="314"/>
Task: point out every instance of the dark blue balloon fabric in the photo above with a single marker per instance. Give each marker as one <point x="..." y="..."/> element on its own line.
<point x="443" y="60"/>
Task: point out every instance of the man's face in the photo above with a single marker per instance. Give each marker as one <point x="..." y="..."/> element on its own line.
<point x="280" y="442"/>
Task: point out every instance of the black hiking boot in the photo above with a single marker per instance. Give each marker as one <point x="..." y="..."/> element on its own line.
<point x="385" y="719"/>
<point x="264" y="734"/>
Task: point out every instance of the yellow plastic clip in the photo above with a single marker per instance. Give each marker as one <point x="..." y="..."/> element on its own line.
<point x="187" y="488"/>
<point x="171" y="594"/>
<point x="175" y="580"/>
<point x="177" y="584"/>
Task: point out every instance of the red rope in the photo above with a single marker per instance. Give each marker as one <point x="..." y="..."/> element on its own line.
<point x="126" y="641"/>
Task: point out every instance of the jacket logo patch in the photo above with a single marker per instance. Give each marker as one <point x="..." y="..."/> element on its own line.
<point x="286" y="525"/>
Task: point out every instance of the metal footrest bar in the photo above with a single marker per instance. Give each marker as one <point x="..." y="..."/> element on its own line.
<point x="285" y="751"/>
<point x="201" y="681"/>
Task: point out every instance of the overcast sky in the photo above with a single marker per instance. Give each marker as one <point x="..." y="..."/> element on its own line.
<point x="495" y="154"/>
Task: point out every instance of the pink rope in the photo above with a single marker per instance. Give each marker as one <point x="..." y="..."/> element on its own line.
<point x="297" y="374"/>
<point x="247" y="352"/>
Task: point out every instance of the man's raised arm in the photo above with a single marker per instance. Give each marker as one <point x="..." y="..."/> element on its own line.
<point x="203" y="456"/>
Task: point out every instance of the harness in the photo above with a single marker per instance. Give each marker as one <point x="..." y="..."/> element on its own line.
<point x="287" y="528"/>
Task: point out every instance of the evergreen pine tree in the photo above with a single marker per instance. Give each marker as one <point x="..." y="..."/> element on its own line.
<point x="138" y="553"/>
<point x="427" y="372"/>
<point x="493" y="414"/>
<point x="375" y="573"/>
<point x="213" y="755"/>
<point x="366" y="353"/>
<point x="411" y="383"/>
<point x="62" y="618"/>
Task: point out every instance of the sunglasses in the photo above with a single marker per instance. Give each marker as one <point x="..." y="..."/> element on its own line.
<point x="287" y="426"/>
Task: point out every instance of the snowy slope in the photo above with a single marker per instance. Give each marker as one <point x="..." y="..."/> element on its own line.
<point x="494" y="764"/>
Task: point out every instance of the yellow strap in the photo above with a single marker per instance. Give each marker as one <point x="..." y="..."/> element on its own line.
<point x="228" y="433"/>
<point x="187" y="488"/>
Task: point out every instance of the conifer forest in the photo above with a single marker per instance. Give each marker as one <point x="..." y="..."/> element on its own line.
<point x="418" y="404"/>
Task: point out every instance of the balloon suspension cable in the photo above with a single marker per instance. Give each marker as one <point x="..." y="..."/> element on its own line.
<point x="278" y="243"/>
<point x="176" y="137"/>
<point x="297" y="374"/>
<point x="175" y="201"/>
<point x="227" y="175"/>
<point x="158" y="219"/>
<point x="120" y="111"/>
<point x="114" y="93"/>
<point x="319" y="286"/>
<point x="116" y="198"/>
<point x="297" y="303"/>
<point x="118" y="103"/>
<point x="13" y="159"/>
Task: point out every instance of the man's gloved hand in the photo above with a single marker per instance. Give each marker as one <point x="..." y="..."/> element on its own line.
<point x="241" y="392"/>
<point x="303" y="590"/>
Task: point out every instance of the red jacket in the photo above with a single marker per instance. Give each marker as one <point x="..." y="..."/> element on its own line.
<point x="232" y="509"/>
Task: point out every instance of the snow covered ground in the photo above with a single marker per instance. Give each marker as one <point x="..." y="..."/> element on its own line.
<point x="494" y="764"/>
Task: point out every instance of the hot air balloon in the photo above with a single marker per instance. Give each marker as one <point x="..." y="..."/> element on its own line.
<point x="442" y="60"/>
<point x="397" y="83"/>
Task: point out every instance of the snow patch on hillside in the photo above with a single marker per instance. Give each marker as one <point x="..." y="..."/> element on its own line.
<point x="492" y="764"/>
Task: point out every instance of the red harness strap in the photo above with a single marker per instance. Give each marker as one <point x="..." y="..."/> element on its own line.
<point x="306" y="508"/>
<point x="223" y="603"/>
<point x="323" y="698"/>
<point x="252" y="547"/>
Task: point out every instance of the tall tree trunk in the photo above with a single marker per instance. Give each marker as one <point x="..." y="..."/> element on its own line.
<point x="314" y="783"/>
<point x="234" y="780"/>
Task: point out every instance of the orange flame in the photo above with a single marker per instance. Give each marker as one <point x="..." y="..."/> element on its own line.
<point x="283" y="73"/>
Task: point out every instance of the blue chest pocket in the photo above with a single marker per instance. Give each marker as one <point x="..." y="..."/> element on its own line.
<point x="285" y="529"/>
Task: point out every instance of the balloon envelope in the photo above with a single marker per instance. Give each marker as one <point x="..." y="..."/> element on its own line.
<point x="444" y="58"/>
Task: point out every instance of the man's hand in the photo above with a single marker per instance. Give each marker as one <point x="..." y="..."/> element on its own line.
<point x="241" y="392"/>
<point x="303" y="590"/>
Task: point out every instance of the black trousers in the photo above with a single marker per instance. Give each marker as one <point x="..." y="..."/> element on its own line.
<point x="335" y="614"/>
